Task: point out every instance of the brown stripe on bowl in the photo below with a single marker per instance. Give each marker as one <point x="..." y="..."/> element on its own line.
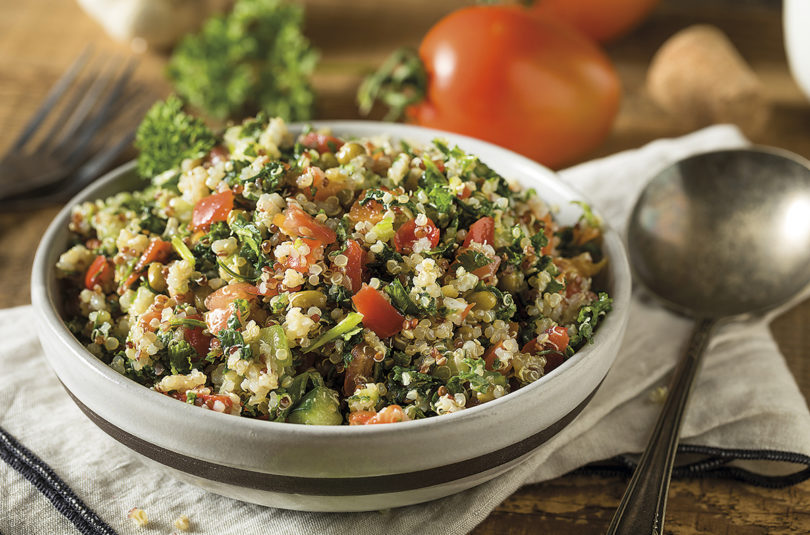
<point x="314" y="486"/>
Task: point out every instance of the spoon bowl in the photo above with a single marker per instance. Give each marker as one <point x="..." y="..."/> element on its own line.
<point x="724" y="233"/>
<point x="718" y="235"/>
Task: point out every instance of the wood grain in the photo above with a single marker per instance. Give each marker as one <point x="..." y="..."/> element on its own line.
<point x="39" y="38"/>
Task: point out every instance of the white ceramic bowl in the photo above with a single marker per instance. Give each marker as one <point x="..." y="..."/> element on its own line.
<point x="322" y="468"/>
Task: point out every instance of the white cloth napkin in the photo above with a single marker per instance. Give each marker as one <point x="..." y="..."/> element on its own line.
<point x="746" y="405"/>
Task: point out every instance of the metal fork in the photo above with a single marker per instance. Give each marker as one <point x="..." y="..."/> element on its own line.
<point x="50" y="163"/>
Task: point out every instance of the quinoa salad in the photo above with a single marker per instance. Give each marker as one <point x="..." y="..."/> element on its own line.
<point x="319" y="280"/>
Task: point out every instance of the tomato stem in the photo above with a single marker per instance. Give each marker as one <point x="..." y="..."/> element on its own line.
<point x="401" y="81"/>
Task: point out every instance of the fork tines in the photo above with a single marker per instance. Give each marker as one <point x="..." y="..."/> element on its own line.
<point x="61" y="143"/>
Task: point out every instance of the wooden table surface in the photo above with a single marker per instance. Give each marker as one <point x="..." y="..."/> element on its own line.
<point x="39" y="38"/>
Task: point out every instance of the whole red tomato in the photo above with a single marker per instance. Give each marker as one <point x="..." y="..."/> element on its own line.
<point x="519" y="80"/>
<point x="602" y="20"/>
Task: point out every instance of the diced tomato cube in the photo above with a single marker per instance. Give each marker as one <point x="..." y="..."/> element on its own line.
<point x="296" y="222"/>
<point x="482" y="231"/>
<point x="356" y="256"/>
<point x="378" y="314"/>
<point x="409" y="233"/>
<point x="321" y="142"/>
<point x="99" y="273"/>
<point x="211" y="209"/>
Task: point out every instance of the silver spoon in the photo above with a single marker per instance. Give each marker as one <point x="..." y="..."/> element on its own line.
<point x="716" y="236"/>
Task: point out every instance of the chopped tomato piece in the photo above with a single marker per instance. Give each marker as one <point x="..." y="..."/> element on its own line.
<point x="157" y="251"/>
<point x="491" y="356"/>
<point x="211" y="209"/>
<point x="217" y="319"/>
<point x="207" y="400"/>
<point x="223" y="297"/>
<point x="321" y="142"/>
<point x="467" y="310"/>
<point x="359" y="369"/>
<point x="557" y="338"/>
<point x="482" y="231"/>
<point x="356" y="256"/>
<point x="389" y="415"/>
<point x="409" y="233"/>
<point x="197" y="338"/>
<point x="218" y="304"/>
<point x="100" y="272"/>
<point x="297" y="223"/>
<point x="554" y="346"/>
<point x="322" y="187"/>
<point x="378" y="314"/>
<point x="371" y="211"/>
<point x="210" y="401"/>
<point x="135" y="275"/>
<point x="361" y="417"/>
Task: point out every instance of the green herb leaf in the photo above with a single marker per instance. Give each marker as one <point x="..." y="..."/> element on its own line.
<point x="476" y="376"/>
<point x="588" y="319"/>
<point x="254" y="58"/>
<point x="400" y="298"/>
<point x="167" y="135"/>
<point x="399" y="82"/>
<point x="553" y="287"/>
<point x="249" y="234"/>
<point x="402" y="380"/>
<point x="472" y="260"/>
<point x="180" y="354"/>
<point x="231" y="338"/>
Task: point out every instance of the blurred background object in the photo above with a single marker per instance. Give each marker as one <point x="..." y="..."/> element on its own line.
<point x="253" y="58"/>
<point x="602" y="20"/>
<point x="700" y="79"/>
<point x="796" y="17"/>
<point x="157" y="23"/>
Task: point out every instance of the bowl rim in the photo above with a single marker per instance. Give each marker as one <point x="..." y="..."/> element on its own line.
<point x="613" y="324"/>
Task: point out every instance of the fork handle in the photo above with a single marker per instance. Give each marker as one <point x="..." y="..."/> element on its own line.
<point x="644" y="503"/>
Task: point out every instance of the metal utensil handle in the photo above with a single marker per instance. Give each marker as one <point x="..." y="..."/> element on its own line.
<point x="644" y="503"/>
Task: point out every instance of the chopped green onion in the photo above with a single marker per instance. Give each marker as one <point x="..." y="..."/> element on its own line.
<point x="345" y="326"/>
<point x="384" y="229"/>
<point x="183" y="250"/>
<point x="587" y="214"/>
<point x="234" y="274"/>
<point x="188" y="322"/>
<point x="276" y="339"/>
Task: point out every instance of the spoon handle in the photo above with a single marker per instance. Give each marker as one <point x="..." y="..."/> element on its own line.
<point x="644" y="503"/>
